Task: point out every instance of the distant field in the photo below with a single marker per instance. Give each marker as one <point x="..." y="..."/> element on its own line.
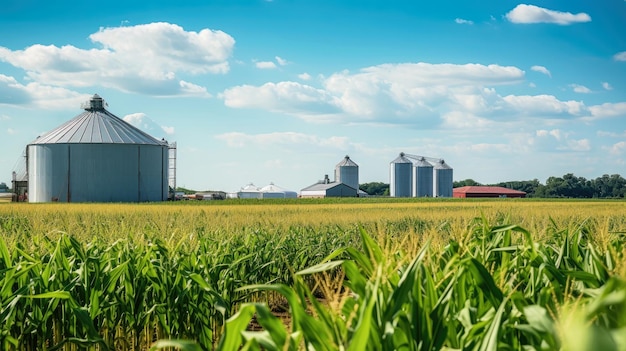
<point x="5" y="197"/>
<point x="447" y="273"/>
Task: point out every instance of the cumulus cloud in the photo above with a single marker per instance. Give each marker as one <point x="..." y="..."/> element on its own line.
<point x="541" y="69"/>
<point x="304" y="76"/>
<point x="528" y="14"/>
<point x="237" y="139"/>
<point x="38" y="95"/>
<point x="145" y="123"/>
<point x="620" y="56"/>
<point x="463" y="21"/>
<point x="419" y="94"/>
<point x="607" y="86"/>
<point x="265" y="65"/>
<point x="608" y="110"/>
<point x="142" y="59"/>
<point x="580" y="89"/>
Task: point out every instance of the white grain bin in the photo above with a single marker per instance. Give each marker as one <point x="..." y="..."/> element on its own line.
<point x="443" y="181"/>
<point x="401" y="178"/>
<point x="250" y="191"/>
<point x="423" y="178"/>
<point x="347" y="172"/>
<point x="273" y="191"/>
<point x="97" y="157"/>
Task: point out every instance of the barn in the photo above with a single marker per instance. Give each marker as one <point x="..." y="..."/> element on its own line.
<point x="486" y="191"/>
<point x="326" y="188"/>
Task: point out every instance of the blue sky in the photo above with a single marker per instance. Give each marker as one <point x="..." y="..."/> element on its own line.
<point x="280" y="91"/>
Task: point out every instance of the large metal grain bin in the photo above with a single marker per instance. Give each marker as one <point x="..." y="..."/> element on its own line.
<point x="400" y="177"/>
<point x="97" y="157"/>
<point x="423" y="178"/>
<point x="443" y="182"/>
<point x="347" y="172"/>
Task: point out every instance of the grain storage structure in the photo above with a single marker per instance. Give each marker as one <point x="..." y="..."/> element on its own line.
<point x="97" y="157"/>
<point x="347" y="172"/>
<point x="420" y="176"/>
<point x="400" y="173"/>
<point x="423" y="178"/>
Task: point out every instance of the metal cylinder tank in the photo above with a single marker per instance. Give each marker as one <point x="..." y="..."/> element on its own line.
<point x="443" y="181"/>
<point x="422" y="178"/>
<point x="97" y="157"/>
<point x="347" y="172"/>
<point x="401" y="177"/>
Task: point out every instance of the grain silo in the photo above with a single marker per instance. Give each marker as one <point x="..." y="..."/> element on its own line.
<point x="97" y="157"/>
<point x="400" y="175"/>
<point x="422" y="178"/>
<point x="347" y="172"/>
<point x="442" y="179"/>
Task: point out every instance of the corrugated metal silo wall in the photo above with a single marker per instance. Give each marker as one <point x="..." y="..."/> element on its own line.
<point x="47" y="172"/>
<point x="401" y="180"/>
<point x="423" y="177"/>
<point x="349" y="175"/>
<point x="100" y="173"/>
<point x="443" y="182"/>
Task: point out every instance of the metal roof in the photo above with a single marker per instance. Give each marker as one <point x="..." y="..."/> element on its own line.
<point x="402" y="159"/>
<point x="324" y="186"/>
<point x="99" y="126"/>
<point x="441" y="164"/>
<point x="347" y="162"/>
<point x="484" y="189"/>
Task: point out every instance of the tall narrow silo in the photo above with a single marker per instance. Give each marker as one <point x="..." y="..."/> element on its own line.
<point x="442" y="179"/>
<point x="347" y="172"/>
<point x="423" y="178"/>
<point x="400" y="177"/>
<point x="97" y="157"/>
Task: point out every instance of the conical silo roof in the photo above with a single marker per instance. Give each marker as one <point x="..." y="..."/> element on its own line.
<point x="98" y="126"/>
<point x="441" y="164"/>
<point x="347" y="162"/>
<point x="422" y="163"/>
<point x="402" y="159"/>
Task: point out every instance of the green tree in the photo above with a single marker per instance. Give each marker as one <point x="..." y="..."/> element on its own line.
<point x="466" y="182"/>
<point x="375" y="188"/>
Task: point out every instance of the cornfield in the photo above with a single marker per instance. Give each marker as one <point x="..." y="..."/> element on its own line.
<point x="349" y="275"/>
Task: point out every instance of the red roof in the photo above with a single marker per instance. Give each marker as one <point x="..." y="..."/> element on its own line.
<point x="487" y="190"/>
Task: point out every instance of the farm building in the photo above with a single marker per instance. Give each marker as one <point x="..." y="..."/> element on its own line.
<point x="419" y="176"/>
<point x="270" y="191"/>
<point x="486" y="191"/>
<point x="347" y="172"/>
<point x="97" y="157"/>
<point x="326" y="188"/>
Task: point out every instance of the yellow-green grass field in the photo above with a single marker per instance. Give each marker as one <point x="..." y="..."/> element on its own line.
<point x="357" y="274"/>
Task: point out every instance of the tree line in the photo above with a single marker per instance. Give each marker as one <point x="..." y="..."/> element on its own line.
<point x="567" y="186"/>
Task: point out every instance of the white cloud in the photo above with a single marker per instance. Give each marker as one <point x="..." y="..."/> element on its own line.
<point x="580" y="89"/>
<point x="145" y="123"/>
<point x="555" y="133"/>
<point x="265" y="65"/>
<point x="618" y="148"/>
<point x="418" y="94"/>
<point x="533" y="14"/>
<point x="11" y="131"/>
<point x="463" y="21"/>
<point x="541" y="69"/>
<point x="304" y="76"/>
<point x="166" y="49"/>
<point x="38" y="95"/>
<point x="620" y="56"/>
<point x="608" y="110"/>
<point x="607" y="86"/>
<point x="577" y="145"/>
<point x="237" y="139"/>
<point x="281" y="61"/>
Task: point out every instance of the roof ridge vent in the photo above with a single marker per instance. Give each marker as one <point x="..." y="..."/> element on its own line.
<point x="96" y="103"/>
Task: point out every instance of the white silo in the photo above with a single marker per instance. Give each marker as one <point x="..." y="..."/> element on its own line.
<point x="443" y="181"/>
<point x="347" y="172"/>
<point x="400" y="177"/>
<point x="422" y="178"/>
<point x="97" y="157"/>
